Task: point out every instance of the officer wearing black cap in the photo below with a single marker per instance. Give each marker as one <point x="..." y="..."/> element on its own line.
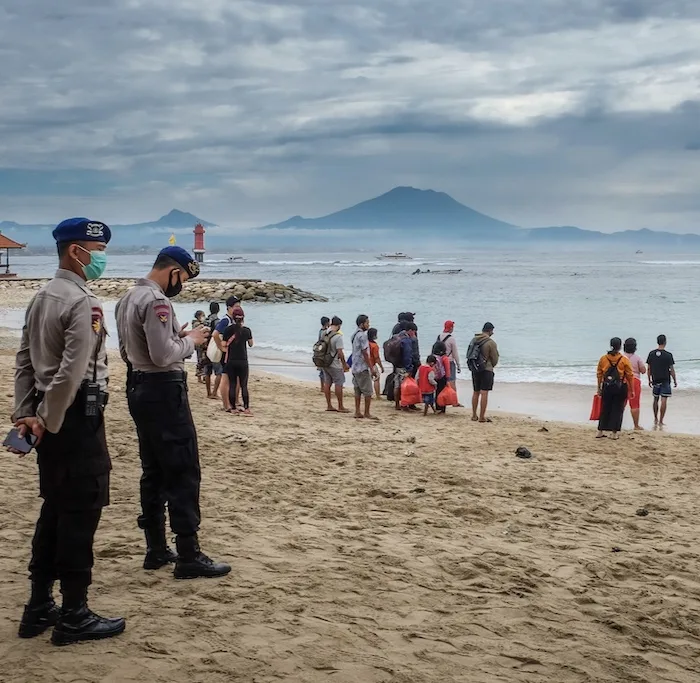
<point x="154" y="347"/>
<point x="60" y="395"/>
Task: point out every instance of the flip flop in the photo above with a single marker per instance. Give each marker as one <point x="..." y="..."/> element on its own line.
<point x="475" y="419"/>
<point x="488" y="419"/>
<point x="344" y="410"/>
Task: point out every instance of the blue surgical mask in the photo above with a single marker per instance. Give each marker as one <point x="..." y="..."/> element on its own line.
<point x="97" y="265"/>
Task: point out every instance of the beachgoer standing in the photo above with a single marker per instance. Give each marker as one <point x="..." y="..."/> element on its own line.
<point x="334" y="374"/>
<point x="238" y="339"/>
<point x="363" y="372"/>
<point x="217" y="335"/>
<point x="452" y="352"/>
<point x="325" y="322"/>
<point x="60" y="396"/>
<point x="442" y="370"/>
<point x="661" y="371"/>
<point x="405" y="368"/>
<point x="155" y="346"/>
<point x="427" y="383"/>
<point x="375" y="357"/>
<point x="638" y="369"/>
<point x="210" y="368"/>
<point x="482" y="357"/>
<point x="615" y="385"/>
<point x="201" y="349"/>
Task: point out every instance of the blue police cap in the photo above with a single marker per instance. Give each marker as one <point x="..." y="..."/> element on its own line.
<point x="82" y="230"/>
<point x="183" y="258"/>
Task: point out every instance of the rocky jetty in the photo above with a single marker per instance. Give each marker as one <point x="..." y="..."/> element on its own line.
<point x="200" y="289"/>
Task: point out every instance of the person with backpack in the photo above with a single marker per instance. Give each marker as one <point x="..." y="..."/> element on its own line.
<point x="442" y="369"/>
<point x="447" y="337"/>
<point x="325" y="324"/>
<point x="615" y="385"/>
<point x="399" y="352"/>
<point x="329" y="356"/>
<point x="482" y="358"/>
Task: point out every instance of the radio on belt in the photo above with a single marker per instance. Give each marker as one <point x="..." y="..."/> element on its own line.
<point x="92" y="399"/>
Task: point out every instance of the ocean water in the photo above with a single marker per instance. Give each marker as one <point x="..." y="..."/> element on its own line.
<point x="554" y="311"/>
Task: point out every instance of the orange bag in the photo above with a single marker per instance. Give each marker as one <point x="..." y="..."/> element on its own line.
<point x="447" y="397"/>
<point x="595" y="408"/>
<point x="410" y="393"/>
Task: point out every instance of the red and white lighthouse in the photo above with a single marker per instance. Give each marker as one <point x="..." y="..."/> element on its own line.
<point x="199" y="243"/>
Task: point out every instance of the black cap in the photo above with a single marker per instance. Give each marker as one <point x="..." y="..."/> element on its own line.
<point x="232" y="301"/>
<point x="488" y="327"/>
<point x="336" y="321"/>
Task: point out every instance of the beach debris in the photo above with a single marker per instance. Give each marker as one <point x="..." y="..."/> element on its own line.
<point x="238" y="438"/>
<point x="543" y="429"/>
<point x="380" y="492"/>
<point x="642" y="512"/>
<point x="615" y="549"/>
<point x="410" y="453"/>
<point x="523" y="452"/>
<point x="419" y="489"/>
<point x="411" y="439"/>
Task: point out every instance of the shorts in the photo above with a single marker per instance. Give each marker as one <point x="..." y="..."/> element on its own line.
<point x="483" y="381"/>
<point x="662" y="389"/>
<point x="429" y="399"/>
<point x="210" y="369"/>
<point x="635" y="402"/>
<point x="453" y="372"/>
<point x="400" y="375"/>
<point x="334" y="375"/>
<point x="362" y="381"/>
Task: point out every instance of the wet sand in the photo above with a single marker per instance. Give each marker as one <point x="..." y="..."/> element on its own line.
<point x="414" y="550"/>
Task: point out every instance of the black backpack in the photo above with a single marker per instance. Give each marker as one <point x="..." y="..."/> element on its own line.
<point x="392" y="351"/>
<point x="612" y="381"/>
<point x="475" y="358"/>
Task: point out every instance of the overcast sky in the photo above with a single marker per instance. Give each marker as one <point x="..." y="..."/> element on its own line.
<point x="245" y="112"/>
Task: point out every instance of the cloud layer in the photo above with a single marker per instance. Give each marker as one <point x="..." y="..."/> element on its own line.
<point x="561" y="111"/>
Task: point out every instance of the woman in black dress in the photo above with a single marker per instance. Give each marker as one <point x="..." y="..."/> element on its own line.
<point x="238" y="339"/>
<point x="615" y="386"/>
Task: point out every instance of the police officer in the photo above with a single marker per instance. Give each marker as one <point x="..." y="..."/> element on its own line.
<point x="60" y="395"/>
<point x="154" y="347"/>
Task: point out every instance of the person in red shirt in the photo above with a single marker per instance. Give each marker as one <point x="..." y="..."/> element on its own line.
<point x="427" y="383"/>
<point x="375" y="358"/>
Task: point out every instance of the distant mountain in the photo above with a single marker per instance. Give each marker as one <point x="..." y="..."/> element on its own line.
<point x="150" y="234"/>
<point x="406" y="209"/>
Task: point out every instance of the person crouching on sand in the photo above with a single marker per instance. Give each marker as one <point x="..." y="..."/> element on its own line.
<point x="638" y="369"/>
<point x="615" y="385"/>
<point x="427" y="383"/>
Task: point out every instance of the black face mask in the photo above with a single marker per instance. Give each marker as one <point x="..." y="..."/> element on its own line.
<point x="173" y="289"/>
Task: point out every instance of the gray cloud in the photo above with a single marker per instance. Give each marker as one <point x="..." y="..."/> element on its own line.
<point x="557" y="111"/>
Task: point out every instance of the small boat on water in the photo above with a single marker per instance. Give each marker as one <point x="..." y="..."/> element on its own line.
<point x="239" y="259"/>
<point x="396" y="256"/>
<point x="418" y="271"/>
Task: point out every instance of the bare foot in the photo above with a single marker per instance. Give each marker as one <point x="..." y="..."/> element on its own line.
<point x="216" y="397"/>
<point x="247" y="413"/>
<point x="359" y="417"/>
<point x="343" y="410"/>
<point x="371" y="417"/>
<point x="639" y="429"/>
<point x="475" y="418"/>
<point x="331" y="409"/>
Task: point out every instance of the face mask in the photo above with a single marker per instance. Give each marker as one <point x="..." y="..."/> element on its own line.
<point x="173" y="289"/>
<point x="97" y="265"/>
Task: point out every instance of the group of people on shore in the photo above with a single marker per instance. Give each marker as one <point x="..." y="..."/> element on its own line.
<point x="402" y="352"/>
<point x="619" y="376"/>
<point x="224" y="357"/>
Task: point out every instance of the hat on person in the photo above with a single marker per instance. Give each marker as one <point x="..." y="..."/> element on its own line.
<point x="232" y="301"/>
<point x="488" y="327"/>
<point x="237" y="313"/>
<point x="182" y="258"/>
<point x="81" y="230"/>
<point x="449" y="326"/>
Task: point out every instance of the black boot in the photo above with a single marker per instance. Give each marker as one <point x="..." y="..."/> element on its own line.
<point x="41" y="613"/>
<point x="77" y="622"/>
<point x="192" y="563"/>
<point x="157" y="552"/>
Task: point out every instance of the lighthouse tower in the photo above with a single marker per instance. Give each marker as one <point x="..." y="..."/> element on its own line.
<point x="199" y="242"/>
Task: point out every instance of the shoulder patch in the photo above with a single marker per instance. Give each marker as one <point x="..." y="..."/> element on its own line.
<point x="162" y="311"/>
<point x="97" y="317"/>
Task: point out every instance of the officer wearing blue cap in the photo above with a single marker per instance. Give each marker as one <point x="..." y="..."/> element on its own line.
<point x="60" y="395"/>
<point x="154" y="347"/>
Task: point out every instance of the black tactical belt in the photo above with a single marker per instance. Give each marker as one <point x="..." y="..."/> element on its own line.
<point x="138" y="377"/>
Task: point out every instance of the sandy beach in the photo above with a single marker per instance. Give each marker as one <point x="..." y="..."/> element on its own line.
<point x="414" y="550"/>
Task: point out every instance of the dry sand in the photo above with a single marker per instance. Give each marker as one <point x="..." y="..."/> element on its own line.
<point x="413" y="550"/>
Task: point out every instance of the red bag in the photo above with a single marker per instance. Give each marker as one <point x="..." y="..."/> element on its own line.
<point x="595" y="408"/>
<point x="410" y="393"/>
<point x="447" y="397"/>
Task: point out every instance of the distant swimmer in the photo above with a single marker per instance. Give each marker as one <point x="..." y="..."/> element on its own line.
<point x="661" y="371"/>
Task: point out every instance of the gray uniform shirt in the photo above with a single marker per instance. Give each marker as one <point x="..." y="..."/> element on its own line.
<point x="64" y="326"/>
<point x="149" y="333"/>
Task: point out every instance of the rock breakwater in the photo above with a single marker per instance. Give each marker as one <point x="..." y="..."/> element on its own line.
<point x="201" y="289"/>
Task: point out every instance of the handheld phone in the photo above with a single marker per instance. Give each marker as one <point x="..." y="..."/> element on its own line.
<point x="23" y="444"/>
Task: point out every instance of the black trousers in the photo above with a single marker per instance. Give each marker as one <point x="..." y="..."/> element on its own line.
<point x="169" y="454"/>
<point x="612" y="410"/>
<point x="74" y="468"/>
<point x="238" y="371"/>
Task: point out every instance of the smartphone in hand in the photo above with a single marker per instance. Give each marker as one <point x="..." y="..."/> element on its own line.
<point x="23" y="444"/>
